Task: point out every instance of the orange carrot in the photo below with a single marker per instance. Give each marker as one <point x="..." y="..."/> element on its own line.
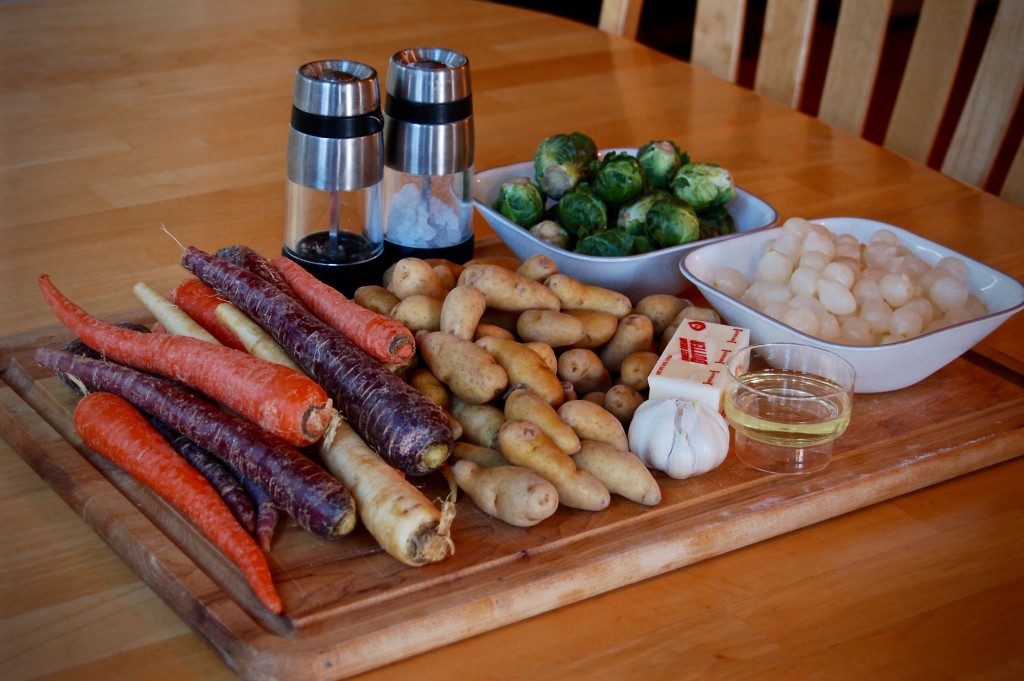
<point x="200" y="302"/>
<point x="116" y="430"/>
<point x="280" y="400"/>
<point x="381" y="337"/>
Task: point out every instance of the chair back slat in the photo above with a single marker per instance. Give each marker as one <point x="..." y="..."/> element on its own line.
<point x="992" y="100"/>
<point x="621" y="17"/>
<point x="854" y="62"/>
<point x="718" y="37"/>
<point x="785" y="50"/>
<point x="929" y="76"/>
<point x="1013" y="186"/>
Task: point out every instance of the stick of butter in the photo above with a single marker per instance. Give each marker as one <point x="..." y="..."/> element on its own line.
<point x="693" y="365"/>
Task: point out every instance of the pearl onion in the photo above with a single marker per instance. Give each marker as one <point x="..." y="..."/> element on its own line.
<point x="905" y="322"/>
<point x="975" y="306"/>
<point x="836" y="298"/>
<point x="828" y="327"/>
<point x="730" y="281"/>
<point x="877" y="253"/>
<point x="804" y="281"/>
<point x="841" y="273"/>
<point x="796" y="226"/>
<point x="923" y="307"/>
<point x="774" y="266"/>
<point x="884" y="236"/>
<point x="810" y="302"/>
<point x="896" y="289"/>
<point x="876" y="313"/>
<point x="789" y="244"/>
<point x="947" y="292"/>
<point x="776" y="310"/>
<point x="801" y="319"/>
<point x="866" y="288"/>
<point x="914" y="266"/>
<point x="816" y="241"/>
<point x="770" y="292"/>
<point x="954" y="266"/>
<point x="856" y="331"/>
<point x="815" y="260"/>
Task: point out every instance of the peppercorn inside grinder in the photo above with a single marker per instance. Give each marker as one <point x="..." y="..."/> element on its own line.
<point x="428" y="156"/>
<point x="333" y="199"/>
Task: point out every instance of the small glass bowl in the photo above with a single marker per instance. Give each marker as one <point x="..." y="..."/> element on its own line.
<point x="787" y="403"/>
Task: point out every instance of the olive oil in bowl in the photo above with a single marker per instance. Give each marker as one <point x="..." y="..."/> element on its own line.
<point x="789" y="409"/>
<point x="787" y="404"/>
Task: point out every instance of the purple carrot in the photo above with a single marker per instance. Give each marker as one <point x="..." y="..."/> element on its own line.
<point x="250" y="259"/>
<point x="315" y="499"/>
<point x="211" y="468"/>
<point x="237" y="493"/>
<point x="405" y="428"/>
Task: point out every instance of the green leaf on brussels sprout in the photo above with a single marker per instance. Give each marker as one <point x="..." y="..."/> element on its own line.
<point x="619" y="178"/>
<point x="561" y="162"/>
<point x="672" y="222"/>
<point x="581" y="212"/>
<point x="703" y="185"/>
<point x="520" y="201"/>
<point x="608" y="242"/>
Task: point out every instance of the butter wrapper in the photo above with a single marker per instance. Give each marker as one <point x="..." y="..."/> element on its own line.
<point x="693" y="364"/>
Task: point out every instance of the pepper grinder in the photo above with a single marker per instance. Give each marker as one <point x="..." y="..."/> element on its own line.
<point x="333" y="211"/>
<point x="428" y="156"/>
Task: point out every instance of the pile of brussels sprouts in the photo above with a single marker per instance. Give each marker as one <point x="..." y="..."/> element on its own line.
<point x="620" y="204"/>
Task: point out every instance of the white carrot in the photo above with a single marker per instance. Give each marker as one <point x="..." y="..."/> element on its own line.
<point x="402" y="520"/>
<point x="175" y="320"/>
<point x="255" y="340"/>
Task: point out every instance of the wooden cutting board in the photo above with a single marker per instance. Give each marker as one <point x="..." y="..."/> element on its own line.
<point x="349" y="607"/>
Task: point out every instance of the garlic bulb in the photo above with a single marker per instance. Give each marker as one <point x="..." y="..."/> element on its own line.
<point x="679" y="437"/>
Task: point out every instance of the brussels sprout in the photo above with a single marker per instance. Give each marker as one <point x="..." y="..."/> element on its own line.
<point x="716" y="222"/>
<point x="608" y="242"/>
<point x="581" y="212"/>
<point x="562" y="161"/>
<point x="671" y="223"/>
<point x="619" y="178"/>
<point x="552" y="233"/>
<point x="520" y="201"/>
<point x="633" y="215"/>
<point x="643" y="244"/>
<point x="703" y="185"/>
<point x="660" y="160"/>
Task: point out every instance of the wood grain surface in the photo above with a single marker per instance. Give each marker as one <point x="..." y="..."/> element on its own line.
<point x="122" y="117"/>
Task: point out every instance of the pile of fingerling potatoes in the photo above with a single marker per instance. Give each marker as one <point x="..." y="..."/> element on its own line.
<point x="539" y="373"/>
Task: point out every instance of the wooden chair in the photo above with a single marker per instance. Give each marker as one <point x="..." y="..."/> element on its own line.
<point x="853" y="67"/>
<point x="621" y="17"/>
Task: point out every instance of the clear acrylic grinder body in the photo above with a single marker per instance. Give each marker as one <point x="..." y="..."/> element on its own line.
<point x="333" y="194"/>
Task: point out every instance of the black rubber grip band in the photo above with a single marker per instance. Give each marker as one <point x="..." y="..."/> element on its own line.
<point x="428" y="114"/>
<point x="337" y="127"/>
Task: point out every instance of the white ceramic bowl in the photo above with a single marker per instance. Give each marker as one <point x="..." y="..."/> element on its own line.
<point x="634" y="275"/>
<point x="879" y="368"/>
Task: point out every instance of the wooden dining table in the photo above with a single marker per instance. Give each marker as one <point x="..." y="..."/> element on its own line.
<point x="126" y="120"/>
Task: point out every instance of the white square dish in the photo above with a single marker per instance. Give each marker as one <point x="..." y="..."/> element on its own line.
<point x="880" y="368"/>
<point x="634" y="275"/>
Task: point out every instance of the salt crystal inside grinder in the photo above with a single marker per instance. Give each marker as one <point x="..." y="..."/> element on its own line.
<point x="428" y="156"/>
<point x="333" y="210"/>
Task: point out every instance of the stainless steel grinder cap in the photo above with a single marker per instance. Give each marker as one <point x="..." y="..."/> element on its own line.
<point x="428" y="112"/>
<point x="336" y="139"/>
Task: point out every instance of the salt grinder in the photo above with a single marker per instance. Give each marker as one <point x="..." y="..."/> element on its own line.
<point x="428" y="156"/>
<point x="333" y="209"/>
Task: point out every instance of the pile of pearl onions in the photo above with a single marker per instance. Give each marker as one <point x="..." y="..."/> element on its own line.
<point x="833" y="287"/>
